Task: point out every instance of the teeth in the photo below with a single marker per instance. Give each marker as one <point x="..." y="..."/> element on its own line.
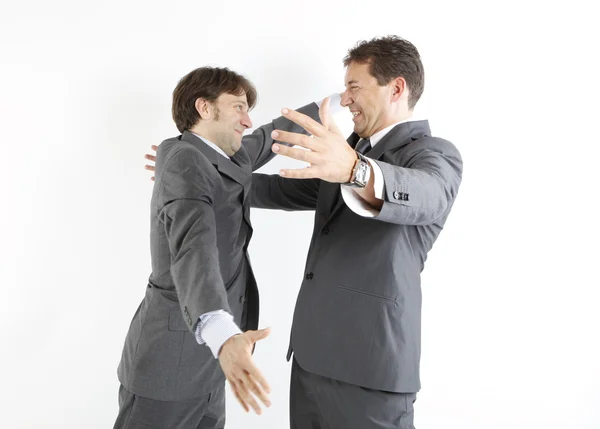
<point x="355" y="114"/>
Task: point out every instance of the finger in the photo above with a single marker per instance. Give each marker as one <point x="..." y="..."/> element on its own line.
<point x="237" y="395"/>
<point x="327" y="117"/>
<point x="306" y="122"/>
<point x="257" y="390"/>
<point x="300" y="173"/>
<point x="299" y="154"/>
<point x="296" y="139"/>
<point x="243" y="390"/>
<point x="149" y="167"/>
<point x="250" y="400"/>
<point x="257" y="375"/>
<point x="154" y="147"/>
<point x="324" y="112"/>
<point x="259" y="335"/>
<point x="150" y="157"/>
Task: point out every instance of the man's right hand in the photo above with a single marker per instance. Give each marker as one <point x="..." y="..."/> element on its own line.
<point x="246" y="380"/>
<point x="151" y="158"/>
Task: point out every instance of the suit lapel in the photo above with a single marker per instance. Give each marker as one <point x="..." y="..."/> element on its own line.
<point x="242" y="160"/>
<point x="400" y="135"/>
<point x="236" y="168"/>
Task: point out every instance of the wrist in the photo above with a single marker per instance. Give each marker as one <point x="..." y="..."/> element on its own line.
<point x="228" y="341"/>
<point x="352" y="167"/>
<point x="361" y="173"/>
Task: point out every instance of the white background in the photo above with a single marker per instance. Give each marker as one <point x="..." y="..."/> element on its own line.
<point x="510" y="314"/>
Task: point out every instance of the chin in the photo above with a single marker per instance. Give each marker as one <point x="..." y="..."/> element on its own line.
<point x="359" y="130"/>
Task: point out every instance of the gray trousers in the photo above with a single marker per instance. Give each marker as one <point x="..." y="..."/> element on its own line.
<point x="323" y="403"/>
<point x="136" y="412"/>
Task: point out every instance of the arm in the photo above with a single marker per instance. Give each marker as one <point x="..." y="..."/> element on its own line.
<point x="258" y="144"/>
<point x="423" y="192"/>
<point x="275" y="192"/>
<point x="188" y="218"/>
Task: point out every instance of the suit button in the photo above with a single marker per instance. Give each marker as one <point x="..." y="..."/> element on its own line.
<point x="309" y="276"/>
<point x="325" y="231"/>
<point x="397" y="195"/>
<point x="242" y="299"/>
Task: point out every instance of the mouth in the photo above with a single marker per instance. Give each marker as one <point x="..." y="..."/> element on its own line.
<point x="356" y="114"/>
<point x="241" y="133"/>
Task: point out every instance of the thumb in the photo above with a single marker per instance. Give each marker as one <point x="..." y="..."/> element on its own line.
<point x="327" y="117"/>
<point x="259" y="335"/>
<point x="324" y="115"/>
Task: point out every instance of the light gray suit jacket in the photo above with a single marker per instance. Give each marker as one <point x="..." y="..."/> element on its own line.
<point x="199" y="234"/>
<point x="358" y="313"/>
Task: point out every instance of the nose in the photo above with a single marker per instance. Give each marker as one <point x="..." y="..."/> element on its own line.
<point x="246" y="122"/>
<point x="346" y="99"/>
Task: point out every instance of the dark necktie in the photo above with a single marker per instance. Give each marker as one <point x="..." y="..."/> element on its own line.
<point x="363" y="146"/>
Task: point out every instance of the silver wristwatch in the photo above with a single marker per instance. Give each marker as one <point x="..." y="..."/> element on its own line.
<point x="361" y="173"/>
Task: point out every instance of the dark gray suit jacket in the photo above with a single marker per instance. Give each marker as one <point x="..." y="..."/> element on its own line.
<point x="199" y="234"/>
<point x="358" y="313"/>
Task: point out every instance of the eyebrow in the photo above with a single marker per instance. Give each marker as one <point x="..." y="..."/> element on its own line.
<point x="241" y="102"/>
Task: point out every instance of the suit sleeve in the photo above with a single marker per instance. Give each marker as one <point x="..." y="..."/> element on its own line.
<point x="271" y="191"/>
<point x="189" y="221"/>
<point x="422" y="192"/>
<point x="258" y="144"/>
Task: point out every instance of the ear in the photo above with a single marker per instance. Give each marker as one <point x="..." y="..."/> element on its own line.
<point x="399" y="88"/>
<point x="204" y="108"/>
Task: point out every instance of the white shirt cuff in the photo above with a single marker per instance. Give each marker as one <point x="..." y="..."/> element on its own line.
<point x="214" y="328"/>
<point x="356" y="203"/>
<point x="334" y="103"/>
<point x="377" y="179"/>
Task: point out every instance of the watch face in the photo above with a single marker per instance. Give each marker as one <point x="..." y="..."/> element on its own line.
<point x="361" y="174"/>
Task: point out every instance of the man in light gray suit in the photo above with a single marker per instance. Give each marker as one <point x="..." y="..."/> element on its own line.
<point x="202" y="288"/>
<point x="381" y="199"/>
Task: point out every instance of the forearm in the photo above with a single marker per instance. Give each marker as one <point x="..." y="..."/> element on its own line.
<point x="421" y="194"/>
<point x="277" y="193"/>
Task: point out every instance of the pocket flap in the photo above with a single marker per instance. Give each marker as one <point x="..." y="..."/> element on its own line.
<point x="176" y="322"/>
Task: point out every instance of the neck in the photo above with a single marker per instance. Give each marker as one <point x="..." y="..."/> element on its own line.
<point x="400" y="117"/>
<point x="203" y="132"/>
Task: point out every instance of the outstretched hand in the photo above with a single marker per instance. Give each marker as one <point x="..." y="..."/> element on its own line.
<point x="246" y="380"/>
<point x="329" y="156"/>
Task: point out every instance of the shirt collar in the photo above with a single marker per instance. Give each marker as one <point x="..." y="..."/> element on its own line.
<point x="211" y="144"/>
<point x="376" y="138"/>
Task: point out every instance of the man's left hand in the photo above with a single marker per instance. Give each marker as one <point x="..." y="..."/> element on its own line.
<point x="151" y="158"/>
<point x="329" y="156"/>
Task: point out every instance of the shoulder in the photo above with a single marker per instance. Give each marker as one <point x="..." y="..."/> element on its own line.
<point x="178" y="156"/>
<point x="434" y="144"/>
<point x="183" y="171"/>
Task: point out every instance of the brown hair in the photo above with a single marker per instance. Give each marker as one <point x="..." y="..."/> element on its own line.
<point x="391" y="57"/>
<point x="208" y="83"/>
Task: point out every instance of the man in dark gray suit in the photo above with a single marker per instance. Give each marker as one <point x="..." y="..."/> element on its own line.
<point x="202" y="288"/>
<point x="381" y="199"/>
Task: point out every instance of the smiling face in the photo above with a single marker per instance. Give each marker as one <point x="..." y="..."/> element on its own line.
<point x="228" y="121"/>
<point x="370" y="104"/>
